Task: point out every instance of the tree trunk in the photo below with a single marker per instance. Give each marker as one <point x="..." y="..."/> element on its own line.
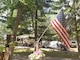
<point x="17" y="21"/>
<point x="79" y="48"/>
<point x="79" y="41"/>
<point x="15" y="27"/>
<point x="76" y="26"/>
<point x="36" y="17"/>
<point x="77" y="38"/>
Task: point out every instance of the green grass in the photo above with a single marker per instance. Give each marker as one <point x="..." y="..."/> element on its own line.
<point x="23" y="52"/>
<point x="61" y="54"/>
<point x="47" y="52"/>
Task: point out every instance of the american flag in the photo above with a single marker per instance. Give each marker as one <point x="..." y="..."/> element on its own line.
<point x="59" y="25"/>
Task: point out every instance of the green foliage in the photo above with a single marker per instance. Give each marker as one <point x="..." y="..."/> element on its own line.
<point x="72" y="20"/>
<point x="28" y="16"/>
<point x="1" y="48"/>
<point x="11" y="44"/>
<point x="3" y="30"/>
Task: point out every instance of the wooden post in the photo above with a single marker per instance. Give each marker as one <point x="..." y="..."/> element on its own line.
<point x="8" y="38"/>
<point x="1" y="55"/>
<point x="36" y="47"/>
<point x="7" y="52"/>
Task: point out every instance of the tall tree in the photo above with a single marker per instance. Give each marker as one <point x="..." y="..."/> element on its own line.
<point x="73" y="22"/>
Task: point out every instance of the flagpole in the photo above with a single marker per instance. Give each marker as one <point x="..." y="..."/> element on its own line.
<point x="43" y="33"/>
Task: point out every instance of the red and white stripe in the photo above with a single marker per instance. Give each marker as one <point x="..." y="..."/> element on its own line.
<point x="61" y="31"/>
